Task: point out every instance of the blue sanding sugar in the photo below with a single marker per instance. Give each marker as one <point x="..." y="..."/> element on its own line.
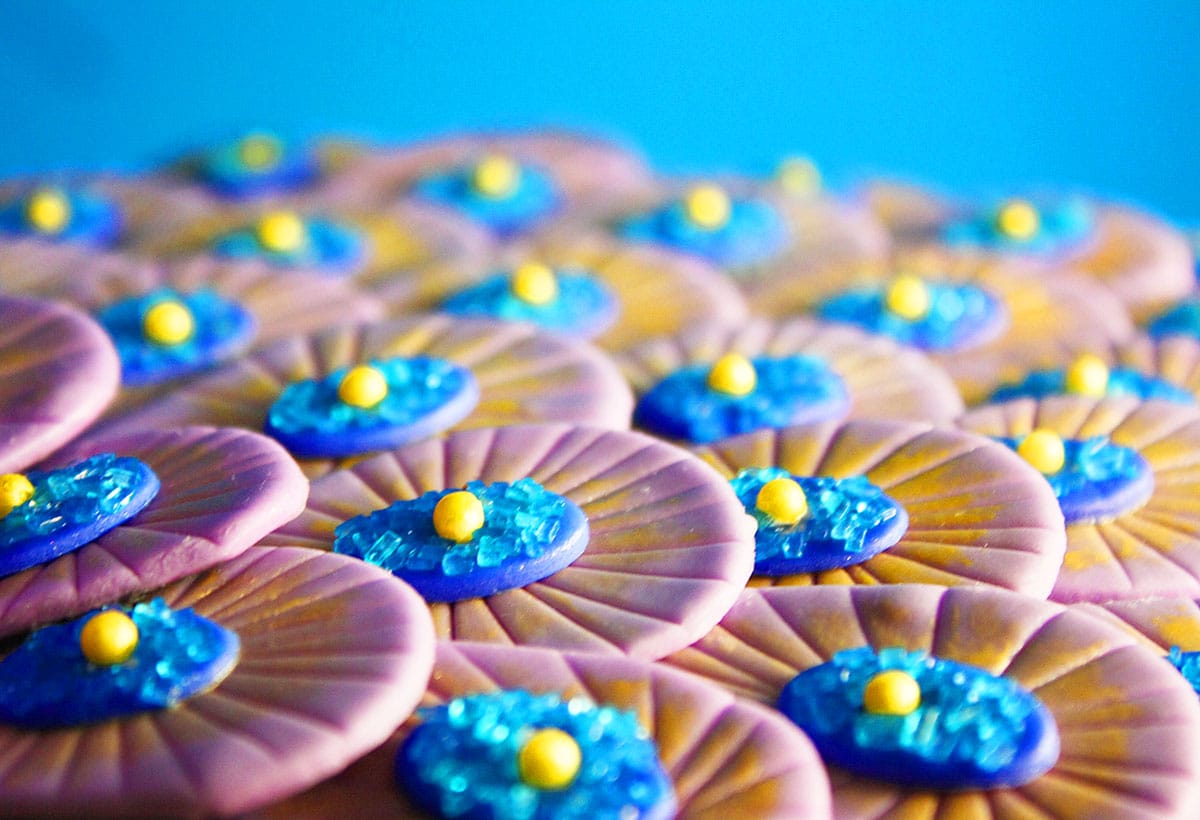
<point x="1122" y="381"/>
<point x="1089" y="462"/>
<point x="959" y="316"/>
<point x="461" y="761"/>
<point x="535" y="196"/>
<point x="1060" y="225"/>
<point x="754" y="233"/>
<point x="1188" y="664"/>
<point x="581" y="300"/>
<point x="329" y="245"/>
<point x="48" y="683"/>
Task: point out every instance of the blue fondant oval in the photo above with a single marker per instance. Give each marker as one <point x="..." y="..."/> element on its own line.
<point x="1062" y="225"/>
<point x="331" y="247"/>
<point x="94" y="221"/>
<point x="224" y="172"/>
<point x="460" y="761"/>
<point x="972" y="730"/>
<point x="754" y="233"/>
<point x="1122" y="381"/>
<point x="47" y="683"/>
<point x="584" y="307"/>
<point x="72" y="507"/>
<point x="535" y="199"/>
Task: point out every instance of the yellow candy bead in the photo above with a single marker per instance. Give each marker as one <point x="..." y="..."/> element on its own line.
<point x="1087" y="376"/>
<point x="457" y="516"/>
<point x="108" y="638"/>
<point x="707" y="207"/>
<point x="783" y="500"/>
<point x="1044" y="450"/>
<point x="799" y="176"/>
<point x="260" y="152"/>
<point x="48" y="211"/>
<point x="15" y="490"/>
<point x="550" y="760"/>
<point x="168" y="323"/>
<point x="908" y="297"/>
<point x="282" y="232"/>
<point x="733" y="374"/>
<point x="363" y="386"/>
<point x="496" y="176"/>
<point x="892" y="692"/>
<point x="535" y="284"/>
<point x="1018" y="219"/>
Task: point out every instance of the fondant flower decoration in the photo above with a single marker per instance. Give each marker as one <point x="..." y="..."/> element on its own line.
<point x="1032" y="667"/>
<point x="1124" y="474"/>
<point x="724" y="756"/>
<point x="333" y="655"/>
<point x="218" y="492"/>
<point x="713" y="381"/>
<point x="58" y="371"/>
<point x="890" y="502"/>
<point x="985" y="322"/>
<point x="474" y="374"/>
<point x="666" y="544"/>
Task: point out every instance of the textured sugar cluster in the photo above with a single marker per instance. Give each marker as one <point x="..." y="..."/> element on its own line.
<point x="580" y="297"/>
<point x="755" y="232"/>
<point x="1121" y="382"/>
<point x="1061" y="224"/>
<point x="958" y="315"/>
<point x="1091" y="462"/>
<point x="327" y="245"/>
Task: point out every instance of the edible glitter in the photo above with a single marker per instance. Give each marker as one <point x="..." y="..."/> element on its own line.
<point x="755" y="233"/>
<point x="73" y="506"/>
<point x="972" y="729"/>
<point x="790" y="390"/>
<point x="94" y="220"/>
<point x="224" y="171"/>
<point x="528" y="534"/>
<point x="535" y="198"/>
<point x="849" y="520"/>
<point x="330" y="247"/>
<point x="1122" y="381"/>
<point x="47" y="683"/>
<point x="584" y="307"/>
<point x="1062" y="225"/>
<point x="223" y="329"/>
<point x="461" y="761"/>
<point x="1188" y="664"/>
<point x="960" y="316"/>
<point x="425" y="396"/>
<point x="1181" y="320"/>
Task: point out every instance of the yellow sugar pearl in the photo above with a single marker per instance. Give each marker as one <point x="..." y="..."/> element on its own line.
<point x="260" y="152"/>
<point x="15" y="490"/>
<point x="48" y="211"/>
<point x="549" y="760"/>
<point x="1018" y="219"/>
<point x="457" y="516"/>
<point x="908" y="297"/>
<point x="783" y="500"/>
<point x="168" y="323"/>
<point x="733" y="374"/>
<point x="535" y="284"/>
<point x="363" y="386"/>
<point x="282" y="231"/>
<point x="1087" y="376"/>
<point x="108" y="638"/>
<point x="799" y="176"/>
<point x="1044" y="450"/>
<point x="707" y="207"/>
<point x="496" y="176"/>
<point x="892" y="692"/>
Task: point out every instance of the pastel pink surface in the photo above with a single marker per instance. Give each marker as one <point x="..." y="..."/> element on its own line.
<point x="1160" y="623"/>
<point x="726" y="757"/>
<point x="222" y="490"/>
<point x="58" y="371"/>
<point x="669" y="548"/>
<point x="334" y="655"/>
<point x="1129" y="724"/>
<point x="978" y="514"/>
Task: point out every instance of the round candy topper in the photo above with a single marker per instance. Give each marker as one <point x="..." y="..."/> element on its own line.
<point x="255" y="165"/>
<point x="62" y="215"/>
<point x="288" y="239"/>
<point x="507" y="195"/>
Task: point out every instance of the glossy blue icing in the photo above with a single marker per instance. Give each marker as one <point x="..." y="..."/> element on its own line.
<point x="47" y="683"/>
<point x="754" y="233"/>
<point x="535" y="199"/>
<point x="1121" y="382"/>
<point x="94" y="221"/>
<point x="461" y="761"/>
<point x="960" y="316"/>
<point x="1181" y="320"/>
<point x="529" y="533"/>
<point x="973" y="730"/>
<point x="223" y="329"/>
<point x="73" y="506"/>
<point x="223" y="171"/>
<point x="1099" y="480"/>
<point x="790" y="390"/>
<point x="849" y="520"/>
<point x="1188" y="664"/>
<point x="1063" y="225"/>
<point x="330" y="247"/>
<point x="584" y="308"/>
<point x="425" y="396"/>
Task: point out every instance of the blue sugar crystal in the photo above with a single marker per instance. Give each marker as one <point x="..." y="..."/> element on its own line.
<point x="1063" y="225"/>
<point x="849" y="520"/>
<point x="972" y="729"/>
<point x="1181" y="320"/>
<point x="528" y="534"/>
<point x="331" y="247"/>
<point x="584" y="306"/>
<point x="425" y="396"/>
<point x="1099" y="480"/>
<point x="223" y="329"/>
<point x="1188" y="664"/>
<point x="960" y="316"/>
<point x="1122" y="381"/>
<point x="94" y="220"/>
<point x="535" y="199"/>
<point x="224" y="171"/>
<point x="755" y="233"/>
<point x="461" y="761"/>
<point x="47" y="683"/>
<point x="72" y="507"/>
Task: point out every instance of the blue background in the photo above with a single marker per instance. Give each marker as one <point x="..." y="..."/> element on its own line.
<point x="969" y="95"/>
